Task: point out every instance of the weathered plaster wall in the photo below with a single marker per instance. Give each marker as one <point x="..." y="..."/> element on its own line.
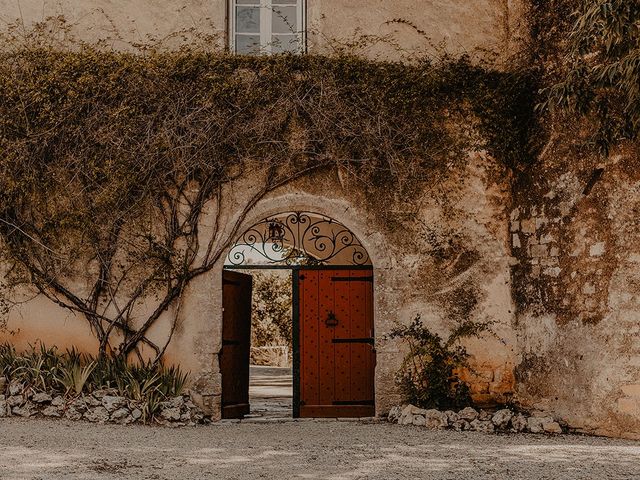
<point x="577" y="288"/>
<point x="441" y="252"/>
<point x="484" y="27"/>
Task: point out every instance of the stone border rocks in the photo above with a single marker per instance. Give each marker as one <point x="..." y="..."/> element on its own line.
<point x="470" y="419"/>
<point x="101" y="406"/>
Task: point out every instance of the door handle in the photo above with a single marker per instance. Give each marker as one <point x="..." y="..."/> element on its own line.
<point x="331" y="320"/>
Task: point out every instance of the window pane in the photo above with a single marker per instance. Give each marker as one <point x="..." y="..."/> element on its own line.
<point x="248" y="19"/>
<point x="248" y="44"/>
<point x="285" y="43"/>
<point x="285" y="20"/>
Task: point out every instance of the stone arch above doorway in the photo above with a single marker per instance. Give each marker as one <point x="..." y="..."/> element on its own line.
<point x="298" y="238"/>
<point x="333" y="334"/>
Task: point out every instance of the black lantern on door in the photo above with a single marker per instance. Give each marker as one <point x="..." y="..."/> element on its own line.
<point x="276" y="231"/>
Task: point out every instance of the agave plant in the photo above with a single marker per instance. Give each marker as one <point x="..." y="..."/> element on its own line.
<point x="173" y="380"/>
<point x="75" y="375"/>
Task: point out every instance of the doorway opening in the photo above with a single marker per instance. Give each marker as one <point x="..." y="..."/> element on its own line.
<point x="271" y="353"/>
<point x="298" y="336"/>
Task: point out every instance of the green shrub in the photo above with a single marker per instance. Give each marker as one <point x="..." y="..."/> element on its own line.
<point x="429" y="376"/>
<point x="72" y="373"/>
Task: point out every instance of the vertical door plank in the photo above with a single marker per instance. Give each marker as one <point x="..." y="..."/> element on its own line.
<point x="309" y="347"/>
<point x="342" y="351"/>
<point x="236" y="343"/>
<point x="360" y="352"/>
<point x="326" y="335"/>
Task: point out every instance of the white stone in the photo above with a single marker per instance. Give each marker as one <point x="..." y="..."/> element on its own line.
<point x="91" y="401"/>
<point x="176" y="402"/>
<point x="519" y="423"/>
<point x="515" y="239"/>
<point x="597" y="249"/>
<point x="79" y="405"/>
<point x="452" y="416"/>
<point x="4" y="408"/>
<point x="15" y="388"/>
<point x="502" y="418"/>
<point x="552" y="271"/>
<point x="551" y="426"/>
<point x="42" y="398"/>
<point x="15" y="400"/>
<point x="469" y="414"/>
<point x="72" y="413"/>
<point x="51" y="412"/>
<point x="57" y="401"/>
<point x="435" y="419"/>
<point x="394" y="414"/>
<point x="534" y="424"/>
<point x="406" y="419"/>
<point x="461" y="425"/>
<point x="97" y="414"/>
<point x="113" y="403"/>
<point x="136" y="413"/>
<point x="120" y="414"/>
<point x="484" y="415"/>
<point x="484" y="426"/>
<point x="171" y="414"/>
<point x="24" y="411"/>
<point x="545" y="239"/>
<point x="588" y="288"/>
<point x="419" y="420"/>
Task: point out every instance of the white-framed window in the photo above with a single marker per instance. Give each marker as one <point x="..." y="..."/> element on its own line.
<point x="267" y="26"/>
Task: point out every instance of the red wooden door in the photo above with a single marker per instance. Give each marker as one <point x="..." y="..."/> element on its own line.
<point x="337" y="356"/>
<point x="236" y="343"/>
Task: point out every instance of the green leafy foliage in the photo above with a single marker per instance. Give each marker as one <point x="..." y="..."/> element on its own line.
<point x="109" y="158"/>
<point x="271" y="313"/>
<point x="429" y="376"/>
<point x="600" y="78"/>
<point x="72" y="373"/>
<point x="75" y="375"/>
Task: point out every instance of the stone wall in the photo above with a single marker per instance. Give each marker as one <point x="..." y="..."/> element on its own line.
<point x="574" y="230"/>
<point x="440" y="251"/>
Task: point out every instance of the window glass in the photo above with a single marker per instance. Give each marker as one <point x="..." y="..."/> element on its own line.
<point x="267" y="26"/>
<point x="285" y="43"/>
<point x="285" y="20"/>
<point x="248" y="44"/>
<point x="248" y="19"/>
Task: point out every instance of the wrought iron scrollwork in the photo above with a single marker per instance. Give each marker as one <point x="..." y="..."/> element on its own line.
<point x="298" y="238"/>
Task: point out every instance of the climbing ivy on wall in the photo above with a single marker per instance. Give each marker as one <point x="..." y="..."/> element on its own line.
<point x="111" y="160"/>
<point x="595" y="72"/>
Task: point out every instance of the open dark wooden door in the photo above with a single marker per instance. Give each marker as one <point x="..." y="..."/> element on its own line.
<point x="336" y="342"/>
<point x="236" y="343"/>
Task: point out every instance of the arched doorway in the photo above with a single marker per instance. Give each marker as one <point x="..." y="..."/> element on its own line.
<point x="332" y="314"/>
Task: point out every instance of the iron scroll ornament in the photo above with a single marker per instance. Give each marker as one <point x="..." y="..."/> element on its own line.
<point x="298" y="238"/>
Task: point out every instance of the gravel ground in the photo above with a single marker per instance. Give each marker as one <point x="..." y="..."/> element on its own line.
<point x="41" y="449"/>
